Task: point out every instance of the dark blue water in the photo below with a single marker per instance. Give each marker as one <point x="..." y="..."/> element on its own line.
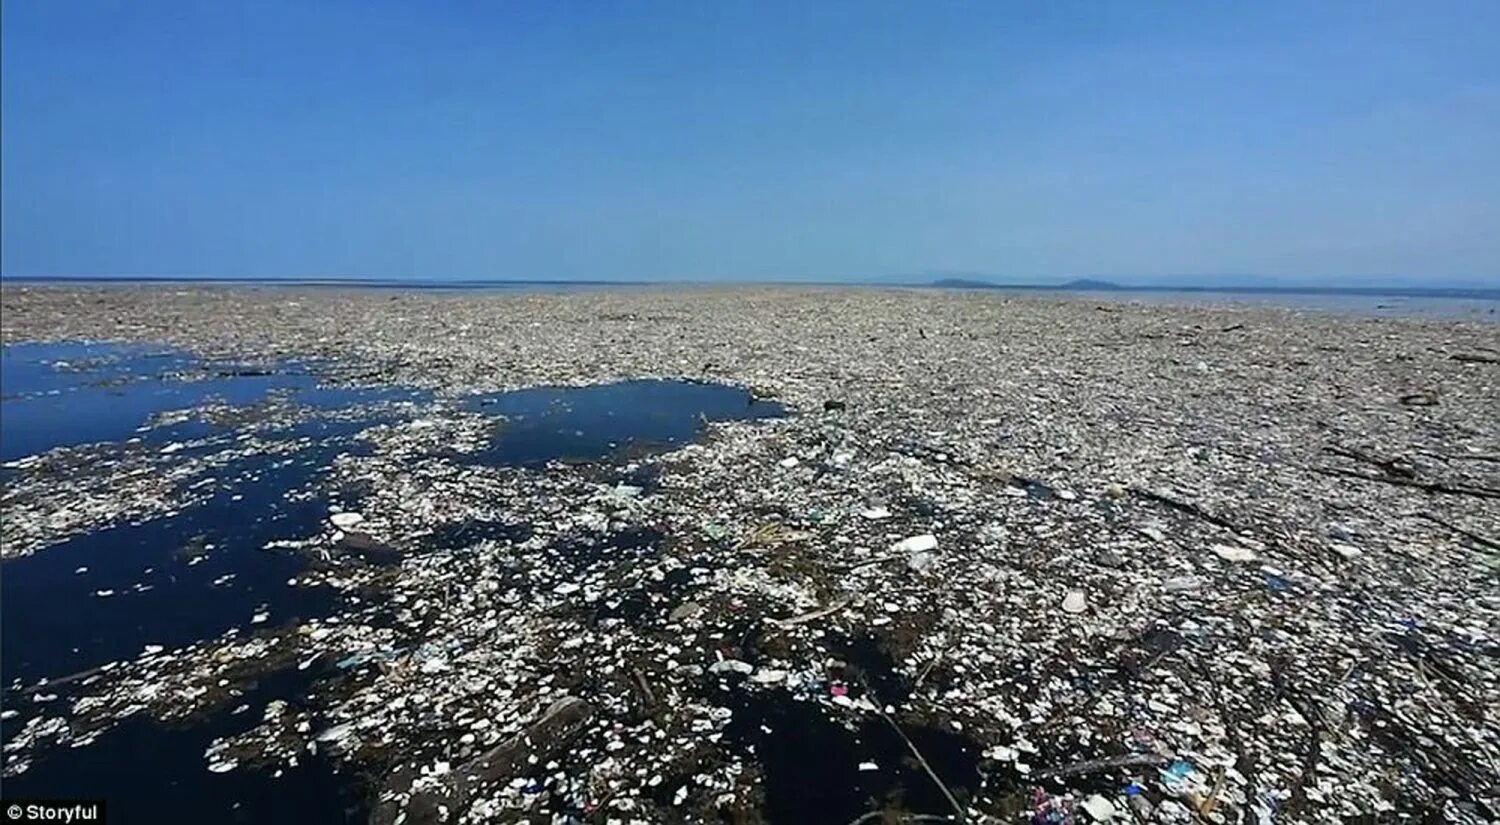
<point x="197" y="573"/>
<point x="64" y="394"/>
<point x="610" y="420"/>
<point x="147" y="773"/>
<point x="162" y="572"/>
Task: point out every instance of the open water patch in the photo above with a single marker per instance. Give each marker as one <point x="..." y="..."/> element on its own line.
<point x="815" y="769"/>
<point x="192" y="573"/>
<point x="173" y="580"/>
<point x="66" y="394"/>
<point x="602" y="421"/>
<point x="148" y="772"/>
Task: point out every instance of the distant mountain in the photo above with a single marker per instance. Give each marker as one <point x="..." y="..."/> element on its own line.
<point x="1261" y="286"/>
<point x="955" y="282"/>
<point x="962" y="283"/>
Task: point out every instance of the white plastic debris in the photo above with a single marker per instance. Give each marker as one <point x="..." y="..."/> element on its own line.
<point x="1232" y="553"/>
<point x="1346" y="551"/>
<point x="768" y="676"/>
<point x="346" y="520"/>
<point x="921" y="560"/>
<point x="916" y="544"/>
<point x="1099" y="808"/>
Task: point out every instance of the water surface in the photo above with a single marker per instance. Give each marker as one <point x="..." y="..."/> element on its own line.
<point x="194" y="574"/>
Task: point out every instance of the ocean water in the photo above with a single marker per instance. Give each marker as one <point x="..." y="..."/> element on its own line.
<point x="630" y="417"/>
<point x="69" y="393"/>
<point x="203" y="571"/>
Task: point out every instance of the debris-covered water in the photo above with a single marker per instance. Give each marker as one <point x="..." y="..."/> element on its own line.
<point x="255" y="446"/>
<point x="1013" y="559"/>
<point x="148" y="772"/>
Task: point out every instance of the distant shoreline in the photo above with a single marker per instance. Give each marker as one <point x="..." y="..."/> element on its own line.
<point x="1085" y="286"/>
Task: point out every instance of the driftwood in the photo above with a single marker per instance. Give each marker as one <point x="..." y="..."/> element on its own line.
<point x="1419" y="399"/>
<point x="1493" y="459"/>
<point x="1427" y="486"/>
<point x="1187" y="507"/>
<point x="645" y="686"/>
<point x="562" y="721"/>
<point x="1397" y="472"/>
<point x="62" y="680"/>
<point x="1390" y="466"/>
<point x="926" y="669"/>
<point x="876" y="560"/>
<point x="1474" y="537"/>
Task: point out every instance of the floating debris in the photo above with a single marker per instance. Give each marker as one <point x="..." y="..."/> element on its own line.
<point x="1138" y="608"/>
<point x="1075" y="602"/>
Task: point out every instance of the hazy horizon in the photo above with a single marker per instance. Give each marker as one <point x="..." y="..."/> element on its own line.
<point x="1186" y="283"/>
<point x="1349" y="145"/>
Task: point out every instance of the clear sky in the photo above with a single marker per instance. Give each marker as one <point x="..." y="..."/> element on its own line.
<point x="1334" y="142"/>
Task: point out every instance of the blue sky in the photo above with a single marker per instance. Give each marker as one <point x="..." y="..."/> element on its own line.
<point x="1341" y="143"/>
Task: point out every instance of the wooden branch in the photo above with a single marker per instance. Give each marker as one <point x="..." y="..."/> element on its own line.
<point x="1389" y="466"/>
<point x="1493" y="459"/>
<point x="61" y="680"/>
<point x="640" y="679"/>
<point x="1187" y="507"/>
<point x="868" y="562"/>
<point x="922" y="677"/>
<point x="1474" y="537"/>
<point x="1427" y="486"/>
